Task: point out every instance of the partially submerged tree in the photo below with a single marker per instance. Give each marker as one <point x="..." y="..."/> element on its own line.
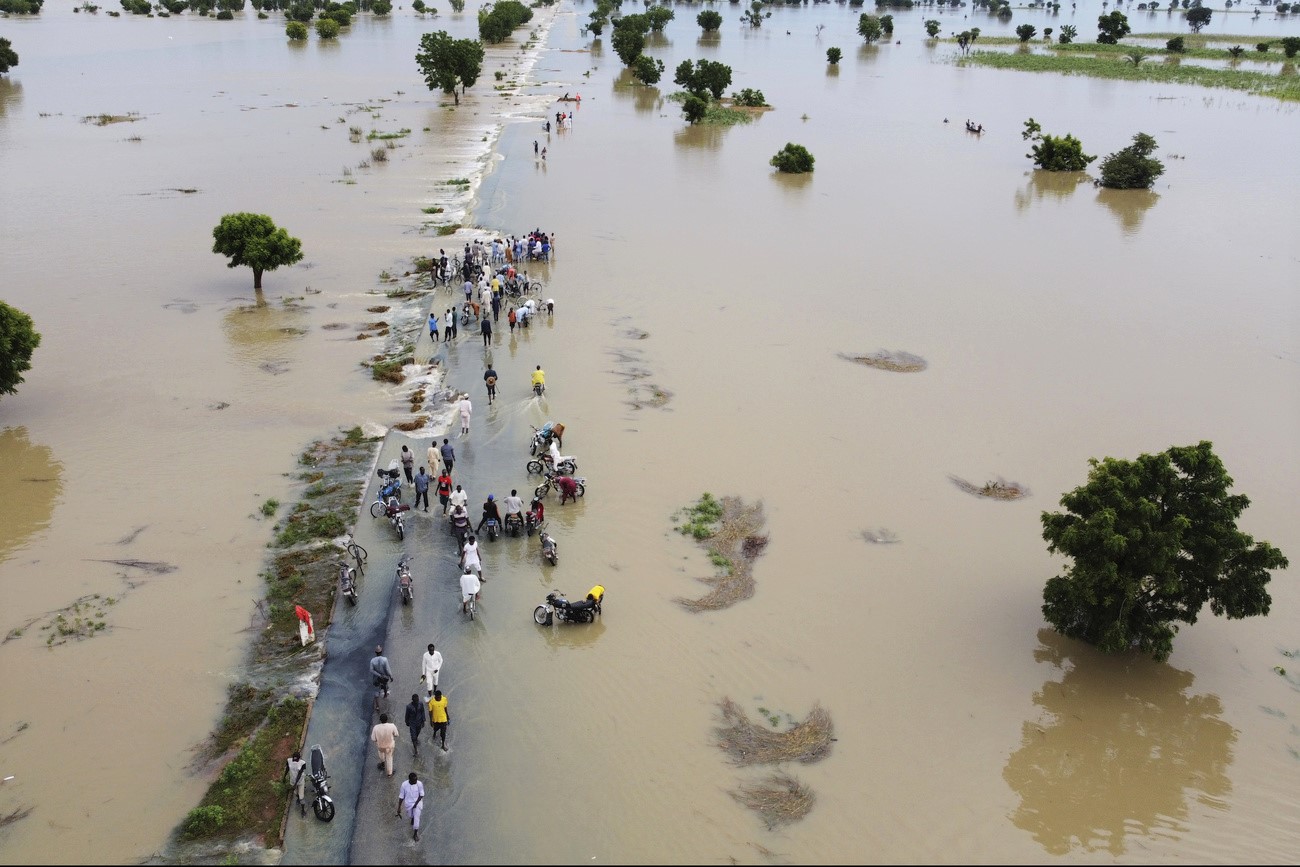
<point x="869" y="28"/>
<point x="1198" y="17"/>
<point x="647" y="70"/>
<point x="448" y="63"/>
<point x="792" y="159"/>
<point x="709" y="21"/>
<point x="1112" y="28"/>
<point x="18" y="340"/>
<point x="833" y="55"/>
<point x="1132" y="168"/>
<point x="932" y="27"/>
<point x="703" y="77"/>
<point x="629" y="37"/>
<point x="8" y="57"/>
<point x="253" y="240"/>
<point x="1054" y="153"/>
<point x="1026" y="32"/>
<point x="498" y="20"/>
<point x="1068" y="32"/>
<point x="1152" y="540"/>
<point x="694" y="108"/>
<point x="755" y="15"/>
<point x="658" y="16"/>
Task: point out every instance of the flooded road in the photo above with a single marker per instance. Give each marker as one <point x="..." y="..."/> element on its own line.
<point x="1059" y="322"/>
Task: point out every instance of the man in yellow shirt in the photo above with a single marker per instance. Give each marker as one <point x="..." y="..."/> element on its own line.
<point x="438" y="717"/>
<point x="539" y="378"/>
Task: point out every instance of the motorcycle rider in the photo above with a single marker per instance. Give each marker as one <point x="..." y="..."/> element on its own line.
<point x="539" y="378"/>
<point x="460" y="524"/>
<point x="490" y="512"/>
<point x="514" y="506"/>
<point x="553" y="452"/>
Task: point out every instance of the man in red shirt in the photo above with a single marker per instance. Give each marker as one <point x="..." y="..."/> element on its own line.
<point x="568" y="489"/>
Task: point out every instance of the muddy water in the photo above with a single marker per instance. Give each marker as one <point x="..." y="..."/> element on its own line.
<point x="1059" y="323"/>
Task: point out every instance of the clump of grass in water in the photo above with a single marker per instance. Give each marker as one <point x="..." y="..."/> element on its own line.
<point x="269" y="507"/>
<point x="728" y="530"/>
<point x="997" y="490"/>
<point x="898" y="362"/>
<point x="779" y="799"/>
<point x="382" y="136"/>
<point x="750" y="743"/>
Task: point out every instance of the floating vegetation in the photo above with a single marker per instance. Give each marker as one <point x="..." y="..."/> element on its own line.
<point x="375" y="135"/>
<point x="779" y="799"/>
<point x="898" y="362"/>
<point x="996" y="490"/>
<point x="17" y="814"/>
<point x="728" y="531"/>
<point x="880" y="536"/>
<point x="751" y="743"/>
<point x="106" y="119"/>
<point x="648" y="395"/>
<point x="413" y="424"/>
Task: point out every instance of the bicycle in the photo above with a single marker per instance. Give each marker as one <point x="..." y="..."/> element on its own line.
<point x="358" y="554"/>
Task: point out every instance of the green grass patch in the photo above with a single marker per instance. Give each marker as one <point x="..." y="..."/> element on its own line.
<point x="248" y="796"/>
<point x="307" y="524"/>
<point x="457" y="182"/>
<point x="375" y="135"/>
<point x="246" y="706"/>
<point x="432" y="209"/>
<point x="388" y="370"/>
<point x="269" y="507"/>
<point x="1200" y="51"/>
<point x="1285" y="87"/>
<point x="716" y="113"/>
<point x="700" y="521"/>
<point x="448" y="229"/>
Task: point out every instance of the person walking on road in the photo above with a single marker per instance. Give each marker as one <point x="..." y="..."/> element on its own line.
<point x="486" y="328"/>
<point x="408" y="464"/>
<point x="448" y="455"/>
<point x="444" y="490"/>
<point x="449" y="318"/>
<point x="385" y="735"/>
<point x="466" y="408"/>
<point x="295" y="772"/>
<point x="438" y="717"/>
<point x="380" y="674"/>
<point x="435" y="460"/>
<point x="433" y="326"/>
<point x="415" y="721"/>
<point x="490" y="377"/>
<point x="410" y="797"/>
<point x="469" y="557"/>
<point x="430" y="665"/>
<point x="422" y="480"/>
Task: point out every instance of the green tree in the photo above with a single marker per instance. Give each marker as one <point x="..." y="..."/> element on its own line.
<point x="1068" y="32"/>
<point x="709" y="21"/>
<point x="659" y="16"/>
<point x="448" y="63"/>
<point x="1152" y="540"/>
<point x="1132" y="168"/>
<point x="497" y="21"/>
<point x="1026" y="32"/>
<point x="1199" y="17"/>
<point x="694" y="108"/>
<point x="833" y="55"/>
<point x="253" y="240"/>
<point x="703" y="77"/>
<point x="869" y="28"/>
<point x="18" y="340"/>
<point x="749" y="97"/>
<point x="302" y="11"/>
<point x="296" y="30"/>
<point x="932" y="27"/>
<point x="754" y="17"/>
<point x="1054" y="153"/>
<point x="1291" y="45"/>
<point x="327" y="28"/>
<point x="381" y="7"/>
<point x="457" y="5"/>
<point x="1236" y="51"/>
<point x="887" y="24"/>
<point x="628" y="43"/>
<point x="1135" y="56"/>
<point x="792" y="159"/>
<point x="1176" y="45"/>
<point x="8" y="57"/>
<point x="1112" y="28"/>
<point x="647" y="70"/>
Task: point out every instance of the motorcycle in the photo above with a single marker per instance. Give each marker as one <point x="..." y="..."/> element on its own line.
<point x="544" y="488"/>
<point x="514" y="524"/>
<point x="542" y="437"/>
<point x="538" y="387"/>
<point x="557" y="607"/>
<point x="322" y="805"/>
<point x="391" y="489"/>
<point x="568" y="464"/>
<point x="394" y="511"/>
<point x="550" y="548"/>
<point x="404" y="584"/>
<point x="348" y="582"/>
<point x="493" y="529"/>
<point x="532" y="521"/>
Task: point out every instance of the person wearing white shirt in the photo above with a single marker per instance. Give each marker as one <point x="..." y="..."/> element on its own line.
<point x="410" y="797"/>
<point x="430" y="665"/>
<point x="458" y="498"/>
<point x="469" y="588"/>
<point x="469" y="557"/>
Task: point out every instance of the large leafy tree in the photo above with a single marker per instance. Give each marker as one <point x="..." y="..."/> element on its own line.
<point x="496" y="21"/>
<point x="709" y="21"/>
<point x="8" y="57"/>
<point x="1153" y="540"/>
<point x="870" y="28"/>
<point x="18" y="340"/>
<point x="703" y="76"/>
<point x="647" y="70"/>
<point x="658" y="16"/>
<point x="1199" y="17"/>
<point x="1112" y="28"/>
<point x="448" y="63"/>
<point x="255" y="241"/>
<point x="628" y="44"/>
<point x="1133" y="167"/>
<point x="1054" y="153"/>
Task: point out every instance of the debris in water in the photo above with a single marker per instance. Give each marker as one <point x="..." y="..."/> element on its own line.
<point x="898" y="362"/>
<point x="997" y="490"/>
<point x="749" y="743"/>
<point x="154" y="566"/>
<point x="881" y="536"/>
<point x="779" y="799"/>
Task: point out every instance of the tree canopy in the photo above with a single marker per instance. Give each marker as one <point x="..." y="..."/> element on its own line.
<point x="793" y="159"/>
<point x="647" y="70"/>
<point x="870" y="28"/>
<point x="703" y="76"/>
<point x="253" y="240"/>
<point x="1054" y="153"/>
<point x="1112" y="28"/>
<point x="498" y="20"/>
<point x="1133" y="167"/>
<point x="628" y="44"/>
<point x="1152" y="541"/>
<point x="447" y="63"/>
<point x="1199" y="17"/>
<point x="18" y="340"/>
<point x="709" y="21"/>
<point x="8" y="57"/>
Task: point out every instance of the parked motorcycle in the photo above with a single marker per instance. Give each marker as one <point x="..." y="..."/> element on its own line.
<point x="550" y="548"/>
<point x="322" y="805"/>
<point x="568" y="464"/>
<point x="557" y="607"/>
<point x="394" y="510"/>
<point x="542" y="437"/>
<point x="348" y="582"/>
<point x="532" y="520"/>
<point x="404" y="583"/>
<point x="514" y="524"/>
<point x="544" y="488"/>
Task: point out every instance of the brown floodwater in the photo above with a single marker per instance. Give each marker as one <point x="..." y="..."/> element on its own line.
<point x="1058" y="321"/>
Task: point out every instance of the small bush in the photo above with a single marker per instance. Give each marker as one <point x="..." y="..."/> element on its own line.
<point x="1177" y="45"/>
<point x="225" y="15"/>
<point x="381" y="7"/>
<point x="833" y="55"/>
<point x="203" y="821"/>
<point x="269" y="507"/>
<point x="793" y="159"/>
<point x="750" y="98"/>
<point x="1291" y="46"/>
<point x="327" y="28"/>
<point x="1132" y="168"/>
<point x="296" y="31"/>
